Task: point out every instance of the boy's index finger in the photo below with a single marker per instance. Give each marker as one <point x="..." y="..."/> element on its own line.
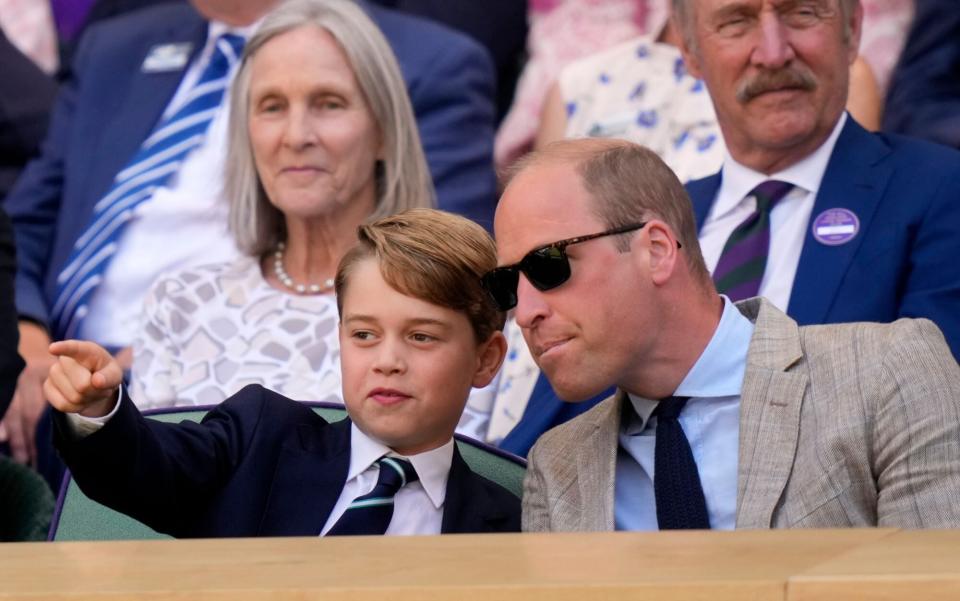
<point x="88" y="354"/>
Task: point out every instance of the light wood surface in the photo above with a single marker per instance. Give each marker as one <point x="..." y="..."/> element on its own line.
<point x="800" y="565"/>
<point x="907" y="565"/>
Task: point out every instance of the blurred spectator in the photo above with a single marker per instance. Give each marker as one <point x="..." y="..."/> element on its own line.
<point x="73" y="17"/>
<point x="885" y="25"/>
<point x="26" y="95"/>
<point x="10" y="361"/>
<point x="133" y="76"/>
<point x="500" y="25"/>
<point x="639" y="91"/>
<point x="28" y="25"/>
<point x="561" y="31"/>
<point x="924" y="98"/>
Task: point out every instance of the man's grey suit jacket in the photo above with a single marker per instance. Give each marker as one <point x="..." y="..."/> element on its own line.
<point x="840" y="425"/>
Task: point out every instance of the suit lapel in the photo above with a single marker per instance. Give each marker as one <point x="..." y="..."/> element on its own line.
<point x="855" y="179"/>
<point x="310" y="475"/>
<point x="467" y="506"/>
<point x="770" y="404"/>
<point x="597" y="465"/>
<point x="702" y="194"/>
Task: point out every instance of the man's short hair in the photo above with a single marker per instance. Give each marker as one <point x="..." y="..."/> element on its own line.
<point x="627" y="183"/>
<point x="432" y="255"/>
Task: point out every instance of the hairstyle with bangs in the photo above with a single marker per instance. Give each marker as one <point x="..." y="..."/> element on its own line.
<point x="432" y="255"/>
<point x="402" y="178"/>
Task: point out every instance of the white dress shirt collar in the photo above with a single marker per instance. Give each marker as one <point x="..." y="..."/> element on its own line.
<point x="738" y="180"/>
<point x="718" y="371"/>
<point x="215" y="29"/>
<point x="433" y="466"/>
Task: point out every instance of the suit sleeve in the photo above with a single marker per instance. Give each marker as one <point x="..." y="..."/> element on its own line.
<point x="10" y="361"/>
<point x="916" y="436"/>
<point x="924" y="96"/>
<point x="34" y="202"/>
<point x="26" y="97"/>
<point x="161" y="473"/>
<point x="453" y="101"/>
<point x="932" y="286"/>
<point x="536" y="510"/>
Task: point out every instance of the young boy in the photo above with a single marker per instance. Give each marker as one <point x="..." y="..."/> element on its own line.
<point x="417" y="331"/>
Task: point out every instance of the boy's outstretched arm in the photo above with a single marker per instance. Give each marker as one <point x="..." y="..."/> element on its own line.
<point x="85" y="379"/>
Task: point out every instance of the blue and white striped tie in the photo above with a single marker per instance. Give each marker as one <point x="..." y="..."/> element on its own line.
<point x="160" y="156"/>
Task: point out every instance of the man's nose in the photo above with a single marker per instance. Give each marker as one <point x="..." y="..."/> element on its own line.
<point x="773" y="49"/>
<point x="531" y="304"/>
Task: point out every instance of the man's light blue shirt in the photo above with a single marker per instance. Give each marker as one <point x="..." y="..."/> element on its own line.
<point x="711" y="422"/>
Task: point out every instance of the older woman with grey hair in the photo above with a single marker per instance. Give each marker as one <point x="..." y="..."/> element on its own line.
<point x="322" y="138"/>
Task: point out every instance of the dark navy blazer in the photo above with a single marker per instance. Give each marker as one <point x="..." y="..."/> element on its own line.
<point x="905" y="260"/>
<point x="924" y="95"/>
<point x="109" y="106"/>
<point x="259" y="464"/>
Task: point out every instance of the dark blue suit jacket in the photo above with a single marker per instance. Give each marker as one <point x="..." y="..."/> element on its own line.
<point x="10" y="362"/>
<point x="109" y="106"/>
<point x="258" y="465"/>
<point x="904" y="260"/>
<point x="924" y="95"/>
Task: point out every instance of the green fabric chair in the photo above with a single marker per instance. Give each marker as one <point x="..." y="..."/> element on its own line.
<point x="26" y="503"/>
<point x="77" y="517"/>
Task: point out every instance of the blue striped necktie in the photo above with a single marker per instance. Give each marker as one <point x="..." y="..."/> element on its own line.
<point x="372" y="512"/>
<point x="743" y="260"/>
<point x="159" y="157"/>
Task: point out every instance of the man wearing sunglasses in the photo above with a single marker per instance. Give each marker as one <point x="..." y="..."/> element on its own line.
<point x="726" y="415"/>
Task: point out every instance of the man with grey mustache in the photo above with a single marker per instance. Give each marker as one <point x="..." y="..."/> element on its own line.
<point x="829" y="222"/>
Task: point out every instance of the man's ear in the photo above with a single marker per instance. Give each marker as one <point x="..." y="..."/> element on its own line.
<point x="490" y="356"/>
<point x="854" y="28"/>
<point x="662" y="250"/>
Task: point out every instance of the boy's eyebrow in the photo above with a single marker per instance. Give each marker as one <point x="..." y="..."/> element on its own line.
<point x="416" y="321"/>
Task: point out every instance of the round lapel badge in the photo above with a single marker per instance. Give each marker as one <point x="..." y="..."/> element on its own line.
<point x="834" y="227"/>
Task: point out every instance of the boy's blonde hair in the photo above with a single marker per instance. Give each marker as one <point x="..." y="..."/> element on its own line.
<point x="434" y="256"/>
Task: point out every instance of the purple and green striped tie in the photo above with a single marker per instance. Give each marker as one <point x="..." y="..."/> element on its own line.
<point x="371" y="513"/>
<point x="744" y="258"/>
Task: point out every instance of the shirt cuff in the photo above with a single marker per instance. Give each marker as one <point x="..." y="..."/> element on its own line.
<point x="82" y="426"/>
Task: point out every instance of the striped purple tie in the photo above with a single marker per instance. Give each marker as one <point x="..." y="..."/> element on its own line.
<point x="744" y="258"/>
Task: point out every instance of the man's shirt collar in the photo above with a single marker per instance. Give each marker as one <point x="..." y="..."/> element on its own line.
<point x="718" y="371"/>
<point x="738" y="180"/>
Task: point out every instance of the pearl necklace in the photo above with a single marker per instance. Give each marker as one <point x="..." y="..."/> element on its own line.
<point x="287" y="281"/>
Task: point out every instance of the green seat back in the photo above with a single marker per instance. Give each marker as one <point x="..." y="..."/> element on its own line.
<point x="26" y="503"/>
<point x="80" y="518"/>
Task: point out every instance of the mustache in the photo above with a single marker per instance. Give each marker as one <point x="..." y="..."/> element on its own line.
<point x="770" y="81"/>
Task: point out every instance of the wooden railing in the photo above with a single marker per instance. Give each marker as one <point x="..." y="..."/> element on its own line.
<point x="798" y="565"/>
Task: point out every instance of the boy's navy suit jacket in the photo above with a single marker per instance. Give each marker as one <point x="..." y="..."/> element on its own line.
<point x="258" y="465"/>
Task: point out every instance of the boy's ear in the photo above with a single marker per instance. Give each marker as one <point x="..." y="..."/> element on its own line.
<point x="489" y="358"/>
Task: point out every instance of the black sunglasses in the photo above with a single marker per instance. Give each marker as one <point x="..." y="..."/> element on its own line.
<point x="546" y="267"/>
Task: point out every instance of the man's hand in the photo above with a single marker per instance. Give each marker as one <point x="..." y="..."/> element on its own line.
<point x="85" y="379"/>
<point x="19" y="425"/>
